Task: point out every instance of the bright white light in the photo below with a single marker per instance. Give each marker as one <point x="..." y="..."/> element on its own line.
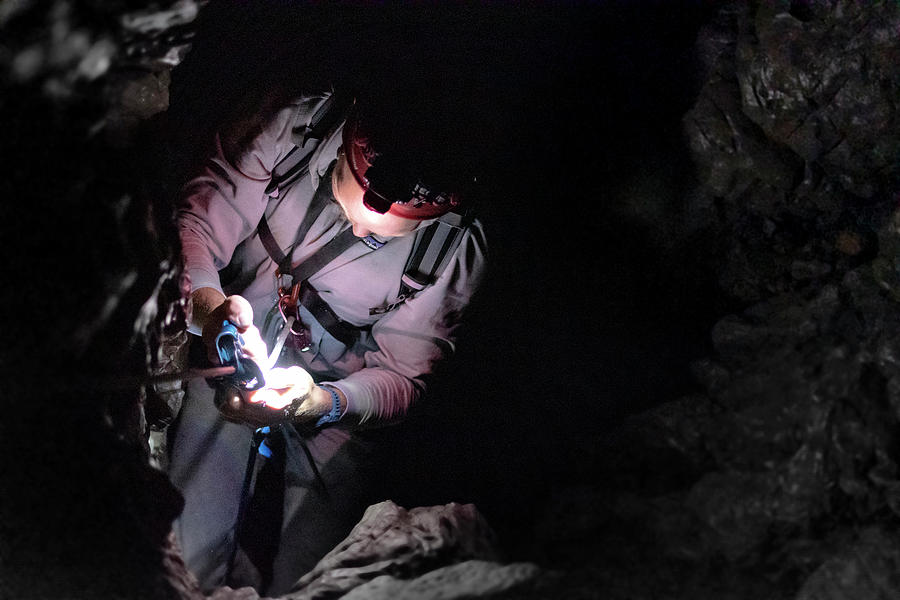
<point x="283" y="385"/>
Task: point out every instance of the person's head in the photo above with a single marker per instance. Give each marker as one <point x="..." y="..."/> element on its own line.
<point x="399" y="165"/>
<point x="350" y="194"/>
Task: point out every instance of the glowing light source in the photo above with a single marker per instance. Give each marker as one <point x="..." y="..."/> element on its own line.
<point x="283" y="385"/>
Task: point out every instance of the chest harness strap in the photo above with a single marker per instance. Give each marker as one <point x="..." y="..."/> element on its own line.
<point x="301" y="292"/>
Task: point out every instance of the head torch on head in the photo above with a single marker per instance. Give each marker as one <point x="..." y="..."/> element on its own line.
<point x="390" y="184"/>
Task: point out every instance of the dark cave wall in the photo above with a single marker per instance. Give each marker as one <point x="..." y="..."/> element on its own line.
<point x="776" y="478"/>
<point x="91" y="276"/>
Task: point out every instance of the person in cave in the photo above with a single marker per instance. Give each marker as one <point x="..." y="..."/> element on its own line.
<point x="367" y="252"/>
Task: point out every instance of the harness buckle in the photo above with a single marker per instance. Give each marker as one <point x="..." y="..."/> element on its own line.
<point x="279" y="283"/>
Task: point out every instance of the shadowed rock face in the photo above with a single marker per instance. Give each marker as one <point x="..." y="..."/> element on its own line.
<point x="777" y="477"/>
<point x="393" y="552"/>
<point x="97" y="290"/>
<point x="391" y="541"/>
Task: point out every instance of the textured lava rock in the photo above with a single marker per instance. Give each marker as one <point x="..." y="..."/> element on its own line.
<point x="758" y="485"/>
<point x="794" y="135"/>
<point x="471" y="579"/>
<point x="867" y="568"/>
<point x="392" y="541"/>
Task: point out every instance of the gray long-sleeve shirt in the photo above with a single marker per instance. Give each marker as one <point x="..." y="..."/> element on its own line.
<point x="382" y="373"/>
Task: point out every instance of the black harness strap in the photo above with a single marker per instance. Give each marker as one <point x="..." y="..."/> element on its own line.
<point x="316" y="205"/>
<point x="294" y="164"/>
<point x="309" y="297"/>
<point x="271" y="246"/>
<point x="342" y="331"/>
<point x="324" y="255"/>
<point x="278" y="438"/>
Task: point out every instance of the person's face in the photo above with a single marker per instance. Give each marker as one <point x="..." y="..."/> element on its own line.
<point x="349" y="195"/>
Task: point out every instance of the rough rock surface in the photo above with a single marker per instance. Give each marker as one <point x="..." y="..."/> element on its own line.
<point x="470" y="579"/>
<point x="393" y="552"/>
<point x="392" y="541"/>
<point x="865" y="569"/>
<point x="391" y="544"/>
<point x="779" y="477"/>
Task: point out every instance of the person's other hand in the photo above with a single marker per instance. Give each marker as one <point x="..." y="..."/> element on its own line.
<point x="282" y="387"/>
<point x="267" y="405"/>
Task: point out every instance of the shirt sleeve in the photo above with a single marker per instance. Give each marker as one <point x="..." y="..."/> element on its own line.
<point x="415" y="337"/>
<point x="222" y="205"/>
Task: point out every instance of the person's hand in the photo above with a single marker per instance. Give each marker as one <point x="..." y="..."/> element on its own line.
<point x="237" y="310"/>
<point x="283" y="386"/>
<point x="275" y="402"/>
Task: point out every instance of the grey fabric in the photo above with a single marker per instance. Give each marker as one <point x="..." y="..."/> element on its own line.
<point x="315" y="521"/>
<point x="208" y="461"/>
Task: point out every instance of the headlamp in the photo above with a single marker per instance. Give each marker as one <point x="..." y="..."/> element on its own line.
<point x="389" y="185"/>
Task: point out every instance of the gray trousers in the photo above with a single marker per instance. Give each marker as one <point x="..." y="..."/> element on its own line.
<point x="292" y="520"/>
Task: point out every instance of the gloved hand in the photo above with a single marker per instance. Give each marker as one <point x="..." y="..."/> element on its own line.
<point x="237" y="310"/>
<point x="287" y="396"/>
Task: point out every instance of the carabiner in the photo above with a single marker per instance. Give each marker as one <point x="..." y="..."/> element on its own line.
<point x="287" y="305"/>
<point x="279" y="283"/>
